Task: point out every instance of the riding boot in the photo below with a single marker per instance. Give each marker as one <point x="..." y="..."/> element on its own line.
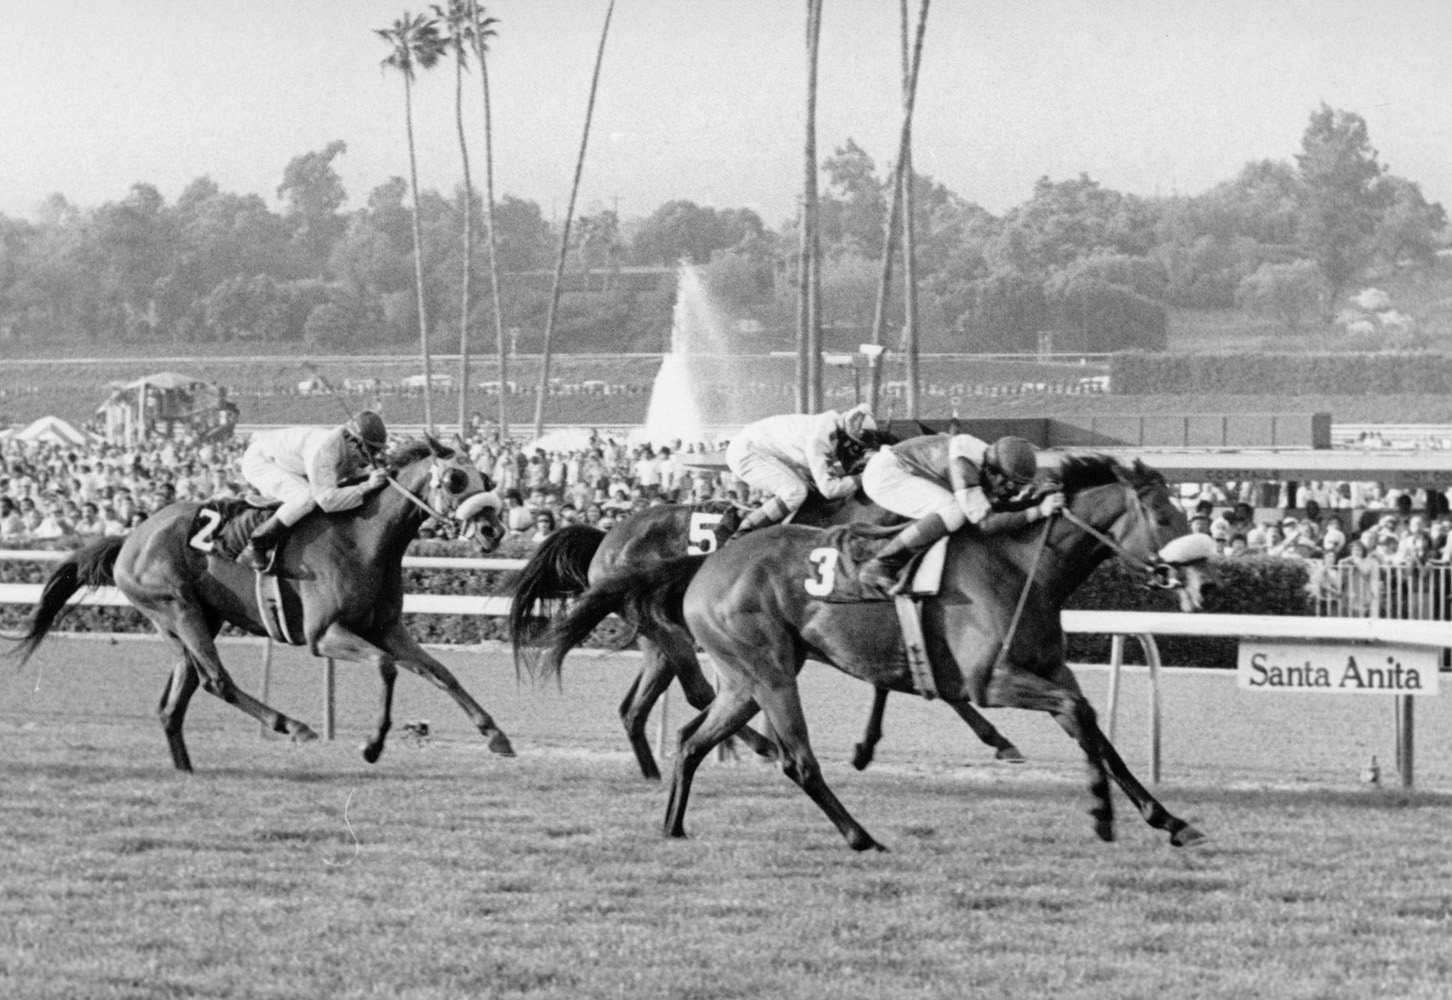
<point x="774" y="511"/>
<point x="881" y="571"/>
<point x="259" y="552"/>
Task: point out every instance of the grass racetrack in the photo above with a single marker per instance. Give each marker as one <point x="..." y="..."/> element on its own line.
<point x="444" y="871"/>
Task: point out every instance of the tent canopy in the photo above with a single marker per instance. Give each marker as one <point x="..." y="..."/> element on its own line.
<point x="53" y="430"/>
<point x="168" y="380"/>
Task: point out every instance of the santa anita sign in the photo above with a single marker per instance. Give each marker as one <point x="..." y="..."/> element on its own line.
<point x="1338" y="669"/>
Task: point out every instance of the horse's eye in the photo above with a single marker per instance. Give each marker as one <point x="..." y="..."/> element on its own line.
<point x="456" y="481"/>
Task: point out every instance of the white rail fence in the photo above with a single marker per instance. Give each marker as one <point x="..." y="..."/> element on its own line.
<point x="1368" y="629"/>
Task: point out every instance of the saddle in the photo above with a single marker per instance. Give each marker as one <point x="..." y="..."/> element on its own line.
<point x="833" y="573"/>
<point x="852" y="545"/>
<point x="223" y="526"/>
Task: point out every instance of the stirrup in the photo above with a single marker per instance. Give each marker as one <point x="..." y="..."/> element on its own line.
<point x="880" y="576"/>
<point x="261" y="562"/>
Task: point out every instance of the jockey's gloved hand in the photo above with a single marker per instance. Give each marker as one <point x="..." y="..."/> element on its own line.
<point x="377" y="479"/>
<point x="1051" y="504"/>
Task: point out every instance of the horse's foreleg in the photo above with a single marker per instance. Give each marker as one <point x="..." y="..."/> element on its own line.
<point x="342" y="643"/>
<point x="987" y="732"/>
<point x="1182" y="834"/>
<point x="863" y="752"/>
<point x="172" y="711"/>
<point x="1062" y="698"/>
<point x="782" y="706"/>
<point x="189" y="626"/>
<point x="412" y="656"/>
<point x="728" y="713"/>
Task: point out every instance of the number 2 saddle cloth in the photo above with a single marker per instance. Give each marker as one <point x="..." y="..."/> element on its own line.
<point x="224" y="525"/>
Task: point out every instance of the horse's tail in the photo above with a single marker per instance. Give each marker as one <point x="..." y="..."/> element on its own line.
<point x="86" y="568"/>
<point x="559" y="568"/>
<point x="650" y="597"/>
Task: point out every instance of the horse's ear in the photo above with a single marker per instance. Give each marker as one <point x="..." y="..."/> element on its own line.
<point x="440" y="451"/>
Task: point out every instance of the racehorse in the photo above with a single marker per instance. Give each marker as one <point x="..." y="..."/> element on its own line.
<point x="761" y="606"/>
<point x="569" y="560"/>
<point x="340" y="576"/>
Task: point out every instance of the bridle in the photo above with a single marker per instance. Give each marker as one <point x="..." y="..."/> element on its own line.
<point x="439" y="495"/>
<point x="1161" y="572"/>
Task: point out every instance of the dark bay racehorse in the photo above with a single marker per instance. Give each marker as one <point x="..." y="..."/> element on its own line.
<point x="341" y="576"/>
<point x="569" y="560"/>
<point x="751" y="607"/>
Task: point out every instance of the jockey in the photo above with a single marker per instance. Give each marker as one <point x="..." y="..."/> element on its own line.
<point x="784" y="455"/>
<point x="945" y="482"/>
<point x="305" y="467"/>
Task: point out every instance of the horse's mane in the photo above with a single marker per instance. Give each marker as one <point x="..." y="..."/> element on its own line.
<point x="1082" y="472"/>
<point x="409" y="452"/>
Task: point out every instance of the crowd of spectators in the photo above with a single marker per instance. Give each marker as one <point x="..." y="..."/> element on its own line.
<point x="54" y="490"/>
<point x="51" y="490"/>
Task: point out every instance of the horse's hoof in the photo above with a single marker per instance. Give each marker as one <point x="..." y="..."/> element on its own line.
<point x="1011" y="754"/>
<point x="1104" y="830"/>
<point x="861" y="756"/>
<point x="1187" y="836"/>
<point x="499" y="743"/>
<point x="371" y="752"/>
<point x="302" y="734"/>
<point x="865" y="843"/>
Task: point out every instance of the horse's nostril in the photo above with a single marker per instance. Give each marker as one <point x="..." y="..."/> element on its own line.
<point x="1209" y="589"/>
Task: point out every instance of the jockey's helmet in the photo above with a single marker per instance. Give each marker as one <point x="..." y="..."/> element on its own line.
<point x="1013" y="459"/>
<point x="366" y="427"/>
<point x="858" y="420"/>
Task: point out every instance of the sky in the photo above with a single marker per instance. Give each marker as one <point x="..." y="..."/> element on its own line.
<point x="703" y="99"/>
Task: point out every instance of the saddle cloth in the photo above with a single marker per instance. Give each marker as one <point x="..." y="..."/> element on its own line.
<point x="847" y="547"/>
<point x="223" y="526"/>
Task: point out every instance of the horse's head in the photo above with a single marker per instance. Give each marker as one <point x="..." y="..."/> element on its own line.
<point x="455" y="488"/>
<point x="1133" y="508"/>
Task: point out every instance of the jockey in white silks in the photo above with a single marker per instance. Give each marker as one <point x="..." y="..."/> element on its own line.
<point x="781" y="456"/>
<point x="305" y="468"/>
<point x="945" y="482"/>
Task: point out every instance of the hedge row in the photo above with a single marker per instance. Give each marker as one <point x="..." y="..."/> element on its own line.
<point x="1136" y="373"/>
<point x="1254" y="585"/>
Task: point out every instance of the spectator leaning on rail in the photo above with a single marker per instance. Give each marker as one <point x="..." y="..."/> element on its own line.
<point x="945" y="482"/>
<point x="306" y="467"/>
<point x="781" y="455"/>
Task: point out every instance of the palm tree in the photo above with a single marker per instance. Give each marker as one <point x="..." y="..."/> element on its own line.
<point x="899" y="221"/>
<point x="457" y="23"/>
<point x="905" y="176"/>
<point x="544" y="368"/>
<point x="415" y="44"/>
<point x="809" y="320"/>
<point x="482" y="29"/>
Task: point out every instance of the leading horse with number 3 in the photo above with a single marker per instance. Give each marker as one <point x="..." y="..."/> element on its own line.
<point x="340" y="577"/>
<point x="764" y="604"/>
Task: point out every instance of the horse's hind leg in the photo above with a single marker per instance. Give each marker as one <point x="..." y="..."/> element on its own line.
<point x="728" y="713"/>
<point x="411" y="656"/>
<point x="782" y="706"/>
<point x="180" y="686"/>
<point x="649" y="685"/>
<point x="678" y="654"/>
<point x="192" y="630"/>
